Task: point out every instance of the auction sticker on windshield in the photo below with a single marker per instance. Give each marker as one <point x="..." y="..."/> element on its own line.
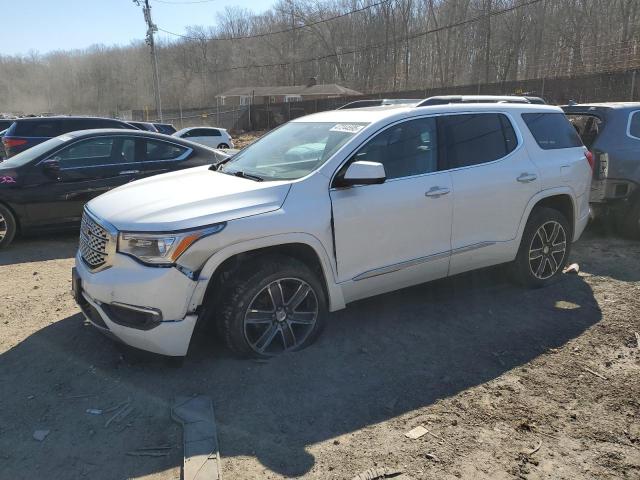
<point x="347" y="128"/>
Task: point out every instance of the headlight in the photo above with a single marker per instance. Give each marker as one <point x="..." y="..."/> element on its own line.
<point x="161" y="248"/>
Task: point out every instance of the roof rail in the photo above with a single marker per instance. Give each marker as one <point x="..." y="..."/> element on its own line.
<point x="446" y="99"/>
<point x="377" y="102"/>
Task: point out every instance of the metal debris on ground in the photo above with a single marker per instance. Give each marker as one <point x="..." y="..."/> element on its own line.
<point x="377" y="474"/>
<point x="416" y="433"/>
<point x="200" y="438"/>
<point x="586" y="369"/>
<point x="40" y="435"/>
<point x="94" y="411"/>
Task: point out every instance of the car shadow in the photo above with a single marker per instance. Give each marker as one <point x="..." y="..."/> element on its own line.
<point x="43" y="246"/>
<point x="607" y="254"/>
<point x="376" y="360"/>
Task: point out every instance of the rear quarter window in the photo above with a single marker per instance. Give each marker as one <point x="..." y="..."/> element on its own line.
<point x="634" y="124"/>
<point x="552" y="130"/>
<point x="35" y="128"/>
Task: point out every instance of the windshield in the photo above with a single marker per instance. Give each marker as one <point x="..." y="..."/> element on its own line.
<point x="292" y="151"/>
<point x="28" y="155"/>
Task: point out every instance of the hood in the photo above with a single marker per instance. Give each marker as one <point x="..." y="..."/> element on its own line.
<point x="186" y="199"/>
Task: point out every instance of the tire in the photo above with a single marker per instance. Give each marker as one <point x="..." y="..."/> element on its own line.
<point x="8" y="227"/>
<point x="629" y="224"/>
<point x="257" y="316"/>
<point x="537" y="265"/>
<point x="223" y="145"/>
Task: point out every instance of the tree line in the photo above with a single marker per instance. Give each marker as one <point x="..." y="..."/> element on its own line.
<point x="383" y="46"/>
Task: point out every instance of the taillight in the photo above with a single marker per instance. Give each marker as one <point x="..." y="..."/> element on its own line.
<point x="12" y="142"/>
<point x="589" y="156"/>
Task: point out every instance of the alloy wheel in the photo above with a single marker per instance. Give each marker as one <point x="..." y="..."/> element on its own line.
<point x="3" y="227"/>
<point x="547" y="250"/>
<point x="281" y="316"/>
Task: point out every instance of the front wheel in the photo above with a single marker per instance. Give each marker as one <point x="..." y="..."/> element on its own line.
<point x="544" y="248"/>
<point x="278" y="307"/>
<point x="8" y="227"/>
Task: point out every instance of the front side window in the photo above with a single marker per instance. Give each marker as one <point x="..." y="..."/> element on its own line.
<point x="406" y="149"/>
<point x="293" y="150"/>
<point x="472" y="139"/>
<point x="552" y="130"/>
<point x="86" y="153"/>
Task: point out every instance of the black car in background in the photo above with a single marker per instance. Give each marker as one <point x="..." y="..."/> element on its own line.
<point x="47" y="186"/>
<point x="165" y="128"/>
<point x="147" y="126"/>
<point x="24" y="133"/>
<point x="611" y="132"/>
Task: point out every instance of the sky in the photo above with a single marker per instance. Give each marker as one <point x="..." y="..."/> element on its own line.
<point x="48" y="25"/>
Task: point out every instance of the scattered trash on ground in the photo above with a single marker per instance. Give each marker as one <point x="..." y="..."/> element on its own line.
<point x="377" y="474"/>
<point x="200" y="438"/>
<point x="94" y="411"/>
<point x="416" y="433"/>
<point x="573" y="268"/>
<point x="40" y="435"/>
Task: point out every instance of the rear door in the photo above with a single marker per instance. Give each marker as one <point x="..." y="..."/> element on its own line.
<point x="493" y="181"/>
<point x="87" y="168"/>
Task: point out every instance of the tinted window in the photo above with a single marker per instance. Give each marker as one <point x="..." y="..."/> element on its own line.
<point x="474" y="139"/>
<point x="406" y="149"/>
<point x="552" y="130"/>
<point x="634" y="125"/>
<point x="92" y="152"/>
<point x="204" y="132"/>
<point x="32" y="153"/>
<point x="158" y="150"/>
<point x="37" y="128"/>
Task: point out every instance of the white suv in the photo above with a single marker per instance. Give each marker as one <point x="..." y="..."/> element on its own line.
<point x="328" y="209"/>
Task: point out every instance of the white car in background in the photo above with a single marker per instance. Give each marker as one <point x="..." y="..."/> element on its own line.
<point x="209" y="136"/>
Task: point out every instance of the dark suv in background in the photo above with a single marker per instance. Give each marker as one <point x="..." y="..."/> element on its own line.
<point x="611" y="131"/>
<point x="24" y="133"/>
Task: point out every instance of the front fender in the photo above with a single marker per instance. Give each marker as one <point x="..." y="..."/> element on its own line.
<point x="336" y="298"/>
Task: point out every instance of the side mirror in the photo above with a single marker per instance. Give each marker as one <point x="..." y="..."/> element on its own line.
<point x="364" y="173"/>
<point x="51" y="168"/>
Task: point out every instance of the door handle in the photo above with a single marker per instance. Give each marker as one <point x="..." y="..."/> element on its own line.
<point x="128" y="172"/>
<point x="435" y="192"/>
<point x="527" y="177"/>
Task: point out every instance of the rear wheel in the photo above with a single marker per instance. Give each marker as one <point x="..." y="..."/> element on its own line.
<point x="544" y="248"/>
<point x="223" y="145"/>
<point x="8" y="227"/>
<point x="278" y="307"/>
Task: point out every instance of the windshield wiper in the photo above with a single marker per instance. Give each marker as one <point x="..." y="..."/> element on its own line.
<point x="240" y="173"/>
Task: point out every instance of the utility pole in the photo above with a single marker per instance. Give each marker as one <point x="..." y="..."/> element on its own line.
<point x="149" y="40"/>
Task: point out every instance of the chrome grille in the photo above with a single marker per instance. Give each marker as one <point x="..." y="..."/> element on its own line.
<point x="94" y="242"/>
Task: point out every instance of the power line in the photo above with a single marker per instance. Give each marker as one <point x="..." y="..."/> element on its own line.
<point x="286" y="30"/>
<point x="382" y="44"/>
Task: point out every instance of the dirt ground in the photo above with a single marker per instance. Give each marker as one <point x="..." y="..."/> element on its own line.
<point x="509" y="383"/>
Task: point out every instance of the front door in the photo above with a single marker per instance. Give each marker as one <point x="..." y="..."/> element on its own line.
<point x="398" y="233"/>
<point x="87" y="169"/>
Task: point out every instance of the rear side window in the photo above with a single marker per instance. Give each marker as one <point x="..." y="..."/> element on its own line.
<point x="587" y="126"/>
<point x="204" y="132"/>
<point x="158" y="150"/>
<point x="472" y="139"/>
<point x="552" y="130"/>
<point x="634" y="124"/>
<point x="37" y="128"/>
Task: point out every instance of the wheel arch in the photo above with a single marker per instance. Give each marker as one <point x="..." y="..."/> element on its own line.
<point x="303" y="247"/>
<point x="561" y="199"/>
